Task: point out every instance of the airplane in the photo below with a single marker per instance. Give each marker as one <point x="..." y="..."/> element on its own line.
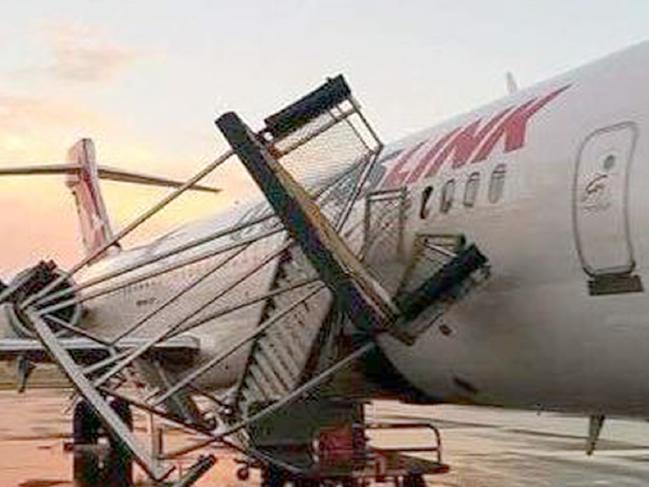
<point x="529" y="211"/>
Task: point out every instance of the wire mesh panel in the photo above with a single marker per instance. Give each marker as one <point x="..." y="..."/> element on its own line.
<point x="326" y="145"/>
<point x="383" y="225"/>
<point x="322" y="149"/>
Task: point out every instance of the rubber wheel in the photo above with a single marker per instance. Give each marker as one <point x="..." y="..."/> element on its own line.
<point x="85" y="425"/>
<point x="85" y="431"/>
<point x="273" y="477"/>
<point x="118" y="470"/>
<point x="350" y="482"/>
<point x="414" y="480"/>
<point x="306" y="483"/>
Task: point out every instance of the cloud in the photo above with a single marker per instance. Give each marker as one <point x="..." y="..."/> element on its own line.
<point x="83" y="54"/>
<point x="33" y="128"/>
<point x="17" y="110"/>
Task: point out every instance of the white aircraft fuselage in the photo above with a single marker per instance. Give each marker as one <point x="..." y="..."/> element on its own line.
<point x="550" y="183"/>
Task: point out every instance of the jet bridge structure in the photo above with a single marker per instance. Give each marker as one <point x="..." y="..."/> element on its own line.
<point x="334" y="269"/>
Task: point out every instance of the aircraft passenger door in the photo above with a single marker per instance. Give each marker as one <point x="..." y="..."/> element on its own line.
<point x="600" y="210"/>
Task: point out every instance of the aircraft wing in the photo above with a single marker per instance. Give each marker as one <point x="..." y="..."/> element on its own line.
<point x="181" y="347"/>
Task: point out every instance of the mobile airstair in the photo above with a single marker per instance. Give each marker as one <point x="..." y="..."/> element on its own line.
<point x="340" y="271"/>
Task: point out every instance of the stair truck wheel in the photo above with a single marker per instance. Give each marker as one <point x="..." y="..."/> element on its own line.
<point x="414" y="480"/>
<point x="350" y="482"/>
<point x="118" y="470"/>
<point x="306" y="483"/>
<point x="85" y="425"/>
<point x="85" y="438"/>
<point x="273" y="476"/>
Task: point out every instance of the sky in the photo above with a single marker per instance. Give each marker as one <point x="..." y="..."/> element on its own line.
<point x="147" y="79"/>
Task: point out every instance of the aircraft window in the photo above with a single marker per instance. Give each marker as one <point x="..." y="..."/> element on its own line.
<point x="609" y="162"/>
<point x="446" y="201"/>
<point x="497" y="183"/>
<point x="471" y="189"/>
<point x="425" y="198"/>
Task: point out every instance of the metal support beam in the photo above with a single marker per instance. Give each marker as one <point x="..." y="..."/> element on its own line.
<point x="142" y="277"/>
<point x="336" y="264"/>
<point x="595" y="425"/>
<point x="294" y="395"/>
<point x="167" y="332"/>
<point x="203" y="368"/>
<point x="196" y="471"/>
<point x="128" y="229"/>
<point x="174" y="297"/>
<point x="90" y="393"/>
<point x="54" y="295"/>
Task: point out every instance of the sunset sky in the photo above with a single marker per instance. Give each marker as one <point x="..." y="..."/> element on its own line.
<point x="146" y="80"/>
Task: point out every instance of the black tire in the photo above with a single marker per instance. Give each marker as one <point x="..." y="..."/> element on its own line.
<point x="85" y="425"/>
<point x="118" y="471"/>
<point x="350" y="482"/>
<point x="85" y="469"/>
<point x="273" y="477"/>
<point x="414" y="480"/>
<point x="306" y="483"/>
<point x="85" y="432"/>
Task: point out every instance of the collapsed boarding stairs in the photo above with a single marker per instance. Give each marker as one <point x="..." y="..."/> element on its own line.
<point x="322" y="284"/>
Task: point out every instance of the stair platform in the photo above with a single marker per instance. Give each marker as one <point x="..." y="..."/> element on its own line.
<point x="379" y="466"/>
<point x="342" y="454"/>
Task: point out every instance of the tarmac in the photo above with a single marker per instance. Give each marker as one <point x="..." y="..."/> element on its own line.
<point x="485" y="447"/>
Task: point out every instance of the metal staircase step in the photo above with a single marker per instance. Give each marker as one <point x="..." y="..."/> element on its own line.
<point x="263" y="384"/>
<point x="264" y="364"/>
<point x="275" y="362"/>
<point x="279" y="355"/>
<point x="254" y="390"/>
<point x="284" y="352"/>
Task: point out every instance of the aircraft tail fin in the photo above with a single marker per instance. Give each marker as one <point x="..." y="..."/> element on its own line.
<point x="84" y="183"/>
<point x="82" y="177"/>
